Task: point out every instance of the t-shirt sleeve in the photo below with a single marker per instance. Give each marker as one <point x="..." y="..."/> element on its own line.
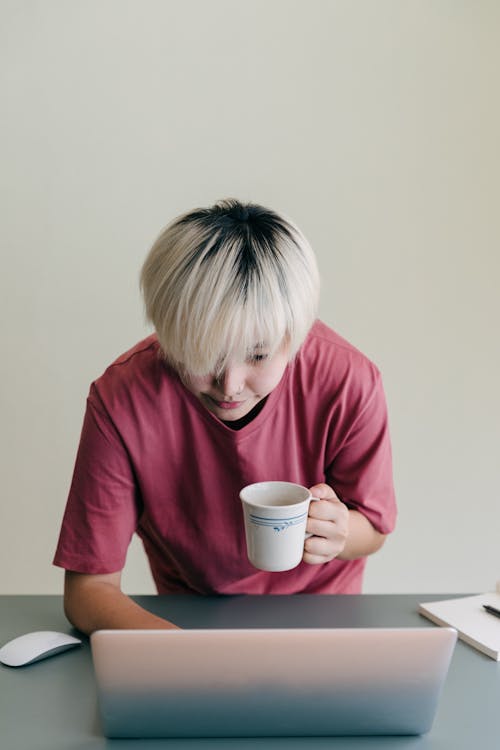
<point x="361" y="470"/>
<point x="102" y="507"/>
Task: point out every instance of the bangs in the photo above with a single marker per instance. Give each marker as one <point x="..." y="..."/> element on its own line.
<point x="231" y="325"/>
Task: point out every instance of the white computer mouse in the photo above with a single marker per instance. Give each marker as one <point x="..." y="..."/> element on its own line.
<point x="30" y="647"/>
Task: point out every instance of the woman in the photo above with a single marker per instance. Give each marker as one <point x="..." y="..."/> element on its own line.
<point x="240" y="383"/>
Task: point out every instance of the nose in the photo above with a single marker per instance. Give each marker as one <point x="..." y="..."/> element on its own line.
<point x="232" y="381"/>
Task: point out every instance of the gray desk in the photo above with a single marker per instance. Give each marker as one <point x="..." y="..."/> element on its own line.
<point x="52" y="705"/>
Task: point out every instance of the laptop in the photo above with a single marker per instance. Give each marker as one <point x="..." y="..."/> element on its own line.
<point x="270" y="682"/>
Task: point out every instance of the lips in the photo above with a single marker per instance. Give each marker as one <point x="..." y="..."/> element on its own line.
<point x="227" y="405"/>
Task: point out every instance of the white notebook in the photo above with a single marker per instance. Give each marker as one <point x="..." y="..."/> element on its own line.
<point x="467" y="615"/>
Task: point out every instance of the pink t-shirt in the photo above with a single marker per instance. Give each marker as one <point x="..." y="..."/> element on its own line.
<point x="153" y="460"/>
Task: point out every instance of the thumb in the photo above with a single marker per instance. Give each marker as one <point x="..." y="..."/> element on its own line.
<point x="323" y="492"/>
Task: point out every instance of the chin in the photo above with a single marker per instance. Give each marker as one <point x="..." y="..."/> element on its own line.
<point x="231" y="416"/>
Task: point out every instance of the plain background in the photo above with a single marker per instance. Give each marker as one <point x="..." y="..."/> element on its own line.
<point x="374" y="125"/>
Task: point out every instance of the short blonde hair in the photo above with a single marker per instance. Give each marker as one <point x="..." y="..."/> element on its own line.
<point x="220" y="281"/>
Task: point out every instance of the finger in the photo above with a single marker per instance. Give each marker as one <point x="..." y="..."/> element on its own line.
<point x="320" y="547"/>
<point x="323" y="491"/>
<point x="315" y="559"/>
<point x="325" y="529"/>
<point x="326" y="510"/>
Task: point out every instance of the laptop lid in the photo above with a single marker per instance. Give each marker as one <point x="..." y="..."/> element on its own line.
<point x="270" y="682"/>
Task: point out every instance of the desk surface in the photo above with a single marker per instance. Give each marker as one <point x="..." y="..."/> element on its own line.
<point x="52" y="704"/>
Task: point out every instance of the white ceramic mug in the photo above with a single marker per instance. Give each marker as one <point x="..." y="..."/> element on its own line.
<point x="275" y="516"/>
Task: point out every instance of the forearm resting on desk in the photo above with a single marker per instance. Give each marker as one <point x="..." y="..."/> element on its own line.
<point x="96" y="602"/>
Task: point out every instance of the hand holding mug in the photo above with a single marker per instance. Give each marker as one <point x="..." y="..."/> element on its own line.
<point x="286" y="523"/>
<point x="328" y="524"/>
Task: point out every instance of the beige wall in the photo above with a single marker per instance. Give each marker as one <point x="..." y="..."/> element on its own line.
<point x="373" y="124"/>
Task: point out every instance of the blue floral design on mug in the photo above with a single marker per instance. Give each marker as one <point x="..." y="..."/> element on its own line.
<point x="278" y="524"/>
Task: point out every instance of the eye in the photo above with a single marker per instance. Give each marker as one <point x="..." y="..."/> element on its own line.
<point x="256" y="358"/>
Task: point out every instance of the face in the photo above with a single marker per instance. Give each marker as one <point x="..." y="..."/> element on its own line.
<point x="241" y="386"/>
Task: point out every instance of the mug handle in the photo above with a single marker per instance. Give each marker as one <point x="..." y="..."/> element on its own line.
<point x="308" y="533"/>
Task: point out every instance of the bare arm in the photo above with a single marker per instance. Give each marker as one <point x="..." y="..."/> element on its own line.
<point x="363" y="538"/>
<point x="96" y="602"/>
